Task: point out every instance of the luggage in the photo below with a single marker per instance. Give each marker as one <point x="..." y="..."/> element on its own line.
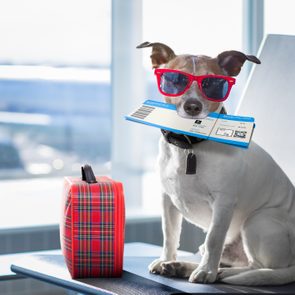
<point x="93" y="224"/>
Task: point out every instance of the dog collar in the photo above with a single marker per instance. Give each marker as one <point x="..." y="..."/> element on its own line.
<point x="186" y="142"/>
<point x="180" y="140"/>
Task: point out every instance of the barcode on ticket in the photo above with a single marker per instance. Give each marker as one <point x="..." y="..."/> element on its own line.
<point x="143" y="112"/>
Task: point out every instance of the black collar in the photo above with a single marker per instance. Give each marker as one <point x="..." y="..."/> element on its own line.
<point x="181" y="140"/>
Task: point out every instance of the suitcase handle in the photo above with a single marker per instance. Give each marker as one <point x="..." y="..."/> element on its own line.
<point x="87" y="174"/>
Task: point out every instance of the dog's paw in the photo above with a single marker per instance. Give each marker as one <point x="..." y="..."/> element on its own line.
<point x="180" y="269"/>
<point x="156" y="266"/>
<point x="203" y="275"/>
<point x="170" y="268"/>
<point x="177" y="269"/>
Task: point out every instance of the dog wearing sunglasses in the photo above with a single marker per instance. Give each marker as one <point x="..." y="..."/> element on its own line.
<point x="240" y="197"/>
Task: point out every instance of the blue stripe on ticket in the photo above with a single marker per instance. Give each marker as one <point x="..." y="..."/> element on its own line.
<point x="231" y="142"/>
<point x="154" y="103"/>
<point x="160" y="104"/>
<point x="236" y="118"/>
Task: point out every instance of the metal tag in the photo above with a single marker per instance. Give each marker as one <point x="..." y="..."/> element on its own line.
<point x="191" y="163"/>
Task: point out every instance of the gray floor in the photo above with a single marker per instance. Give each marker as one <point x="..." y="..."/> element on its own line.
<point x="29" y="287"/>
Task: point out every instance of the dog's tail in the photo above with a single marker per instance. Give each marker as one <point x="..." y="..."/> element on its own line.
<point x="264" y="276"/>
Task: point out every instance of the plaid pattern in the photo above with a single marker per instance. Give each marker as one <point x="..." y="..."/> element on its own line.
<point x="92" y="231"/>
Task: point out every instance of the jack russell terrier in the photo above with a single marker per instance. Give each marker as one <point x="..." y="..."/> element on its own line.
<point x="240" y="197"/>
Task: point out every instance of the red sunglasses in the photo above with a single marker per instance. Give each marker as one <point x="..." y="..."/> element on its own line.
<point x="174" y="83"/>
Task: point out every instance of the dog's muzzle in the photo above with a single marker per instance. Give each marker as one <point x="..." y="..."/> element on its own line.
<point x="192" y="107"/>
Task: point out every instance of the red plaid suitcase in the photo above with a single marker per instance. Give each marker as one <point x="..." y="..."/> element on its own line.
<point x="92" y="227"/>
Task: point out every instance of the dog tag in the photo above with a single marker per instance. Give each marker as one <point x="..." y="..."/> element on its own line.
<point x="191" y="164"/>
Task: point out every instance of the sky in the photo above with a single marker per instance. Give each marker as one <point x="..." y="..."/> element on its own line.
<point x="78" y="32"/>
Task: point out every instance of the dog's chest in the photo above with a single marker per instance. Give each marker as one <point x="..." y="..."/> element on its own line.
<point x="189" y="193"/>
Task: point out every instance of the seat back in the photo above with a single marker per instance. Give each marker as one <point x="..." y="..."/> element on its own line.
<point x="269" y="97"/>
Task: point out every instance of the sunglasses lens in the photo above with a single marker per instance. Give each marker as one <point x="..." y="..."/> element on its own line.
<point x="173" y="83"/>
<point x="215" y="88"/>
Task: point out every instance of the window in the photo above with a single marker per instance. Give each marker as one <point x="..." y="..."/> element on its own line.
<point x="192" y="26"/>
<point x="61" y="33"/>
<point x="54" y="86"/>
<point x="279" y="17"/>
<point x="188" y="26"/>
<point x="55" y="91"/>
<point x="55" y="101"/>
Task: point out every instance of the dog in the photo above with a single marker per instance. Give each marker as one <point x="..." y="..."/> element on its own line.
<point x="240" y="197"/>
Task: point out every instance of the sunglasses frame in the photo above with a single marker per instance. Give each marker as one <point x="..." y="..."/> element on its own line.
<point x="159" y="72"/>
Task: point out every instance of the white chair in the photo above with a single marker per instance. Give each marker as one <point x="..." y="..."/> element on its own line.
<point x="269" y="97"/>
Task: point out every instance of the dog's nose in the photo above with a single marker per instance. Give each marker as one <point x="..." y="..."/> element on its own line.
<point x="192" y="107"/>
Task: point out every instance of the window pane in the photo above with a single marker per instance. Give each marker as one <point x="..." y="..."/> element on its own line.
<point x="52" y="125"/>
<point x="54" y="87"/>
<point x="59" y="32"/>
<point x="193" y="27"/>
<point x="279" y="17"/>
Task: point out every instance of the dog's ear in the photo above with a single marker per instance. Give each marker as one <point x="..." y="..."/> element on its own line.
<point x="161" y="53"/>
<point x="232" y="61"/>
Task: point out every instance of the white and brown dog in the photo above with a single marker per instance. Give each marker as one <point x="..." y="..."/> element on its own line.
<point x="240" y="197"/>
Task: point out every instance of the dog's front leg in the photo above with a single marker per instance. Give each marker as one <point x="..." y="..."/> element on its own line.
<point x="171" y="227"/>
<point x="206" y="272"/>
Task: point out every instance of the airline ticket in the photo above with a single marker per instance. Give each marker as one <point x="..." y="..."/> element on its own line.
<point x="228" y="129"/>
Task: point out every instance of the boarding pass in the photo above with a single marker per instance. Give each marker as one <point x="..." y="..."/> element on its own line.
<point x="228" y="129"/>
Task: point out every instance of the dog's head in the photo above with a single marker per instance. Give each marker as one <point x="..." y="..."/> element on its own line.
<point x="196" y="84"/>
